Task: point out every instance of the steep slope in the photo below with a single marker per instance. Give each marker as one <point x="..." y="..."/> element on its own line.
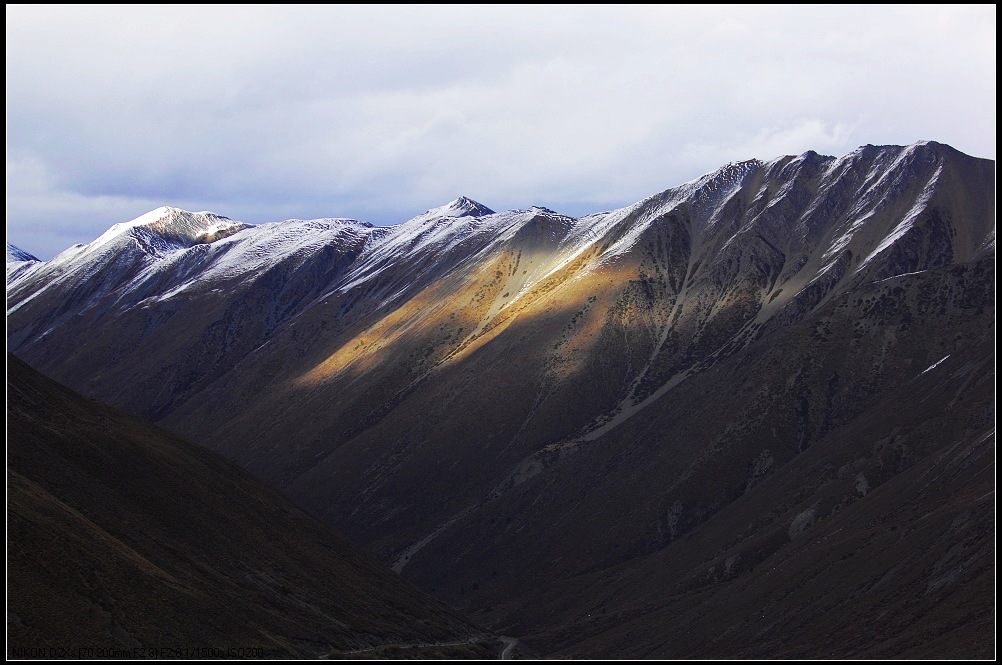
<point x="499" y="402"/>
<point x="19" y="263"/>
<point x="877" y="541"/>
<point x="183" y="312"/>
<point x="16" y="254"/>
<point x="124" y="540"/>
<point x="112" y="262"/>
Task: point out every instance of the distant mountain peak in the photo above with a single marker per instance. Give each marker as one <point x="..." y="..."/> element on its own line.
<point x="543" y="209"/>
<point x="167" y="218"/>
<point x="461" y="207"/>
<point x="16" y="254"/>
<point x="178" y="225"/>
<point x="469" y="207"/>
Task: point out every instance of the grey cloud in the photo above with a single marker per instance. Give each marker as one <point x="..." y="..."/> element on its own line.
<point x="381" y="113"/>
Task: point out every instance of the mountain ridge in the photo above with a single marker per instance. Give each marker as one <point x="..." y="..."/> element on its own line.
<point x="507" y="402"/>
<point x="465" y="206"/>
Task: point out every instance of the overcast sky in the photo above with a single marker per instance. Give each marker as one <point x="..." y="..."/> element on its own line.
<point x="269" y="113"/>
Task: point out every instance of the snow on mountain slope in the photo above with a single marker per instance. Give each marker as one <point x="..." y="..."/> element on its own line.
<point x="438" y="230"/>
<point x="461" y="207"/>
<point x="247" y="255"/>
<point x="432" y="245"/>
<point x="176" y="250"/>
<point x="19" y="264"/>
<point x="123" y="252"/>
<point x="187" y="249"/>
<point x="760" y="233"/>
<point x="821" y="218"/>
<point x="167" y="251"/>
<point x="167" y="228"/>
<point x="16" y="254"/>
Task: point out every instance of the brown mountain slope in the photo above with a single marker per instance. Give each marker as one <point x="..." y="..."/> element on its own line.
<point x="126" y="541"/>
<point x="714" y="437"/>
<point x="876" y="542"/>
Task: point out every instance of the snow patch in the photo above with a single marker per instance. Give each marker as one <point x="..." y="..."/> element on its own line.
<point x="907" y="221"/>
<point x="904" y="274"/>
<point x="935" y="364"/>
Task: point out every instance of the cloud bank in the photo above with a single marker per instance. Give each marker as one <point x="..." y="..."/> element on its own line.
<point x="379" y="113"/>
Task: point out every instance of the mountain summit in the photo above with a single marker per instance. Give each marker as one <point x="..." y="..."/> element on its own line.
<point x="167" y="228"/>
<point x="461" y="207"/>
<point x="705" y="424"/>
<point x="16" y="254"/>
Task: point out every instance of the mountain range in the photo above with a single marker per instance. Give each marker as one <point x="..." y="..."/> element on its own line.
<point x="751" y="415"/>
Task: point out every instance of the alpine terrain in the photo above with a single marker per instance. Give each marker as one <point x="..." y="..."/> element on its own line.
<point x="749" y="416"/>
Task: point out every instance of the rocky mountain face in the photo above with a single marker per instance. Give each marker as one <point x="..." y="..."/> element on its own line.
<point x="124" y="540"/>
<point x="578" y="427"/>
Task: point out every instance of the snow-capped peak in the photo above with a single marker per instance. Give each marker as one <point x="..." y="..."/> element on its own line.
<point x="176" y="226"/>
<point x="461" y="207"/>
<point x="17" y="255"/>
<point x="181" y="223"/>
<point x="543" y="209"/>
<point x="469" y="207"/>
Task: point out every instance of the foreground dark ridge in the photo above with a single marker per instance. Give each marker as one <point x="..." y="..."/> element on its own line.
<point x="525" y="412"/>
<point x="125" y="541"/>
